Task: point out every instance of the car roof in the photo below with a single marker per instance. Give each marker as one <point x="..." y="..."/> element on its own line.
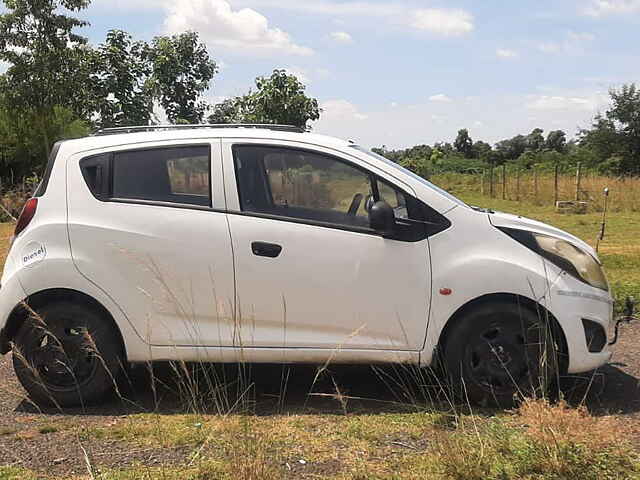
<point x="158" y="134"/>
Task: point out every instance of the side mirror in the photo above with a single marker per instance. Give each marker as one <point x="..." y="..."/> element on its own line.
<point x="381" y="217"/>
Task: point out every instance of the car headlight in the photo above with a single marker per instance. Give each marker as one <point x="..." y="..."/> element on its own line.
<point x="565" y="255"/>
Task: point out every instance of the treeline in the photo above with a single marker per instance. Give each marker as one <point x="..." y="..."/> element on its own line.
<point x="611" y="146"/>
<point x="58" y="86"/>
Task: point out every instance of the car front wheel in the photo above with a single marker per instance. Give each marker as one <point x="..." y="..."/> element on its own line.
<point x="499" y="353"/>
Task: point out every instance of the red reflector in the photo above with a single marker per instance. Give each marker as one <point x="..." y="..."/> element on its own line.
<point x="28" y="211"/>
<point x="446" y="291"/>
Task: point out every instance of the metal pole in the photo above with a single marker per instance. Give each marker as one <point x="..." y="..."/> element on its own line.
<point x="604" y="218"/>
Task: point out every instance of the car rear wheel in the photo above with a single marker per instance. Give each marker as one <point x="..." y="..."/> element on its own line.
<point x="67" y="354"/>
<point x="499" y="353"/>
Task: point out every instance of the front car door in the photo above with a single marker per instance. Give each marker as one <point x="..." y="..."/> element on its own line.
<point x="310" y="272"/>
<point x="147" y="226"/>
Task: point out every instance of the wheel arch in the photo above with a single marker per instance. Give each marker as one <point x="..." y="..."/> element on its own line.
<point x="37" y="300"/>
<point x="513" y="299"/>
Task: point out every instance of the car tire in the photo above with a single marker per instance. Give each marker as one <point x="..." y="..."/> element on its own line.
<point x="67" y="354"/>
<point x="498" y="354"/>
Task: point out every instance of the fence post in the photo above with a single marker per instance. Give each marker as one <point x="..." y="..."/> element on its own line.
<point x="482" y="183"/>
<point x="504" y="181"/>
<point x="518" y="185"/>
<point x="555" y="186"/>
<point x="491" y="181"/>
<point x="535" y="183"/>
<point x="578" y="179"/>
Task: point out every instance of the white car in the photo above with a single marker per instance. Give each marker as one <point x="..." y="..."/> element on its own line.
<point x="269" y="244"/>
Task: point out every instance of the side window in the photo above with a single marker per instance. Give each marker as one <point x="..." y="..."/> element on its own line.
<point x="175" y="175"/>
<point x="395" y="198"/>
<point x="301" y="184"/>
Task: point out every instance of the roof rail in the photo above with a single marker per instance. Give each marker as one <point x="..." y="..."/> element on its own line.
<point x="155" y="128"/>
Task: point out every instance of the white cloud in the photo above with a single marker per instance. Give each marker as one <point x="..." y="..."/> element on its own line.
<point x="506" y="53"/>
<point x="393" y="104"/>
<point x="575" y="43"/>
<point x="443" y="21"/>
<point x="221" y="27"/>
<point x="440" y="97"/>
<point x="340" y="110"/>
<point x="578" y="103"/>
<point x="599" y="8"/>
<point x="300" y="73"/>
<point x="341" y="37"/>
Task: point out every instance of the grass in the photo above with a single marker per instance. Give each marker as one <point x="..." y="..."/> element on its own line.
<point x="536" y="441"/>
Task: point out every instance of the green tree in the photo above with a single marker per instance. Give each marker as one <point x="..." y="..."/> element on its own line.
<point x="48" y="61"/>
<point x="535" y="140"/>
<point x="625" y="114"/>
<point x="182" y="71"/>
<point x="278" y="99"/>
<point x="556" y="141"/>
<point x="121" y="75"/>
<point x="463" y="143"/>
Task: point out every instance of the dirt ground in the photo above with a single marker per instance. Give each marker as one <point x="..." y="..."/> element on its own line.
<point x="49" y="442"/>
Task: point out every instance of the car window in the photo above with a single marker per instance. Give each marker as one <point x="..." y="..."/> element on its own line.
<point x="395" y="198"/>
<point x="301" y="184"/>
<point x="175" y="175"/>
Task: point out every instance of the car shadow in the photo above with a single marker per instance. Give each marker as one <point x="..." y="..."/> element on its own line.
<point x="298" y="389"/>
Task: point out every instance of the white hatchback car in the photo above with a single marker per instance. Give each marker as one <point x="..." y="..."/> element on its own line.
<point x="270" y="244"/>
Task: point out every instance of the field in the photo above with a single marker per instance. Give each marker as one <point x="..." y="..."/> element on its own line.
<point x="353" y="423"/>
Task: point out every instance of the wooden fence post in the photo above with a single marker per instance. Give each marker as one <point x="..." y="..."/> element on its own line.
<point x="535" y="183"/>
<point x="578" y="179"/>
<point x="518" y="185"/>
<point x="482" y="183"/>
<point x="504" y="181"/>
<point x="555" y="186"/>
<point x="491" y="181"/>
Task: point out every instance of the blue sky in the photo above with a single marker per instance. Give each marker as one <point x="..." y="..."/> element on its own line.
<point x="405" y="72"/>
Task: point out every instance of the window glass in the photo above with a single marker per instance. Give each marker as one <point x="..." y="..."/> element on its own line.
<point x="175" y="175"/>
<point x="395" y="198"/>
<point x="302" y="184"/>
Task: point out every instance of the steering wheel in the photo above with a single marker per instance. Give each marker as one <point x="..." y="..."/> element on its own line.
<point x="355" y="204"/>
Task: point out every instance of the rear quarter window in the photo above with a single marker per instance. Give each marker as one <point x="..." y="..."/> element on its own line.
<point x="178" y="175"/>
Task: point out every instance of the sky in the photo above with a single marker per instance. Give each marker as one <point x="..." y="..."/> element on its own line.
<point x="406" y="72"/>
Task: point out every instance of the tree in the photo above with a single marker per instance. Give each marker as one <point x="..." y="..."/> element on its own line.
<point x="48" y="61"/>
<point x="182" y="70"/>
<point x="625" y="115"/>
<point x="279" y="99"/>
<point x="463" y="143"/>
<point x="481" y="150"/>
<point x="556" y="141"/>
<point x="535" y="140"/>
<point x="121" y="75"/>
<point x="512" y="148"/>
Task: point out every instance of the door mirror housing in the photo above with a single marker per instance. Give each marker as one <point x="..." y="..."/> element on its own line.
<point x="381" y="217"/>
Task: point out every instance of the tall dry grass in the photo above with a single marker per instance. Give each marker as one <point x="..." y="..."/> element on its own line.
<point x="538" y="188"/>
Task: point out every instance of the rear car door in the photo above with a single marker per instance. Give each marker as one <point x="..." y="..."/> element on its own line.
<point x="147" y="225"/>
<point x="310" y="272"/>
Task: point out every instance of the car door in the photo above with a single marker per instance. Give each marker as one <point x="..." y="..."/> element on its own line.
<point x="310" y="272"/>
<point x="147" y="226"/>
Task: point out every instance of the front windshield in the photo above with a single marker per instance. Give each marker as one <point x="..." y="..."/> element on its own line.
<point x="410" y="173"/>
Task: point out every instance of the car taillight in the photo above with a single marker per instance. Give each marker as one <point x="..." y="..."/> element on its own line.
<point x="28" y="211"/>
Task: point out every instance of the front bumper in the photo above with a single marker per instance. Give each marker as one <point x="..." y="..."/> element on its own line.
<point x="576" y="305"/>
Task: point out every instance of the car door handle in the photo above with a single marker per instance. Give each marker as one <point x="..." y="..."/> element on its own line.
<point x="262" y="249"/>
